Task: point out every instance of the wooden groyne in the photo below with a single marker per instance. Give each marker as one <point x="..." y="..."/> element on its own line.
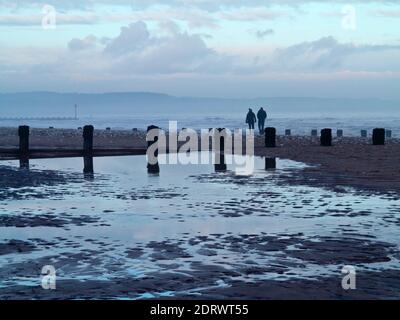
<point x="25" y="151"/>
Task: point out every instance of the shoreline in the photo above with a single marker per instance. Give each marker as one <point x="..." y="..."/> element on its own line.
<point x="350" y="162"/>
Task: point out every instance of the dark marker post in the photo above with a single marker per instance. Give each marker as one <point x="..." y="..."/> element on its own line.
<point x="326" y="137"/>
<point x="88" y="149"/>
<point x="88" y="139"/>
<point x="270" y="137"/>
<point x="153" y="168"/>
<point x="378" y="137"/>
<point x="23" y="133"/>
<point x="220" y="163"/>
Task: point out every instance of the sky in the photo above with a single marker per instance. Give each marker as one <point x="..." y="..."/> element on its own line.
<point x="205" y="48"/>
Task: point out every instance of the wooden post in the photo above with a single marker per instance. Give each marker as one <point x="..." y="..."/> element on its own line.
<point x="270" y="137"/>
<point x="23" y="133"/>
<point x="270" y="163"/>
<point x="326" y="137"/>
<point x="88" y="139"/>
<point x="364" y="133"/>
<point x="378" y="137"/>
<point x="153" y="167"/>
<point x="288" y="132"/>
<point x="339" y="133"/>
<point x="388" y="134"/>
<point x="220" y="163"/>
<point x="314" y="133"/>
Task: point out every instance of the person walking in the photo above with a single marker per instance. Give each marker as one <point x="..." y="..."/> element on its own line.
<point x="261" y="116"/>
<point x="251" y="119"/>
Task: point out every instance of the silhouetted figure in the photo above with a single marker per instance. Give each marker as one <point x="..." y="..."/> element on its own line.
<point x="261" y="116"/>
<point x="251" y="119"/>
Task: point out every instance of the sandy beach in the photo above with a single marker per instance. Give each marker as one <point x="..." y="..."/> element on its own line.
<point x="192" y="233"/>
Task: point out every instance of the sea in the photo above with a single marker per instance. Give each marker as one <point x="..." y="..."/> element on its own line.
<point x="299" y="124"/>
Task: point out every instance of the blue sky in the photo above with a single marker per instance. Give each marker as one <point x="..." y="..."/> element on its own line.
<point x="220" y="48"/>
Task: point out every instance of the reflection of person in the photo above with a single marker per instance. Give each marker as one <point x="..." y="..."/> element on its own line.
<point x="251" y="119"/>
<point x="261" y="116"/>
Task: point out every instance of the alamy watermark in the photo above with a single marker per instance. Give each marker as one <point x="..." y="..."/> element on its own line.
<point x="49" y="19"/>
<point x="48" y="277"/>
<point x="349" y="278"/>
<point x="226" y="146"/>
<point x="349" y="17"/>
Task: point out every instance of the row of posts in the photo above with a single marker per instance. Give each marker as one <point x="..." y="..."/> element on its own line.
<point x="23" y="133"/>
<point x="339" y="133"/>
<point x="378" y="136"/>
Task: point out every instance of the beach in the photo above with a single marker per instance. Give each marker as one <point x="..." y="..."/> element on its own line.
<point x="192" y="233"/>
<point x="351" y="161"/>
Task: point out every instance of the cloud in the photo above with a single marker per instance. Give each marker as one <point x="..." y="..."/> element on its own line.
<point x="89" y="42"/>
<point x="135" y="51"/>
<point x="261" y="34"/>
<point x="36" y="19"/>
<point x="180" y="62"/>
<point x="328" y="54"/>
<point x="210" y="5"/>
<point x="132" y="38"/>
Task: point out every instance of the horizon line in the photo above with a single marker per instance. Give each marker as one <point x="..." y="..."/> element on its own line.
<point x="196" y="97"/>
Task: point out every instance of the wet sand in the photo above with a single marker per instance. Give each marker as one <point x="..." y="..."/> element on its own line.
<point x="210" y="265"/>
<point x="351" y="162"/>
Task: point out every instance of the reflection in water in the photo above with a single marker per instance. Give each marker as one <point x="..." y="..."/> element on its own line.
<point x="88" y="164"/>
<point x="220" y="163"/>
<point x="24" y="161"/>
<point x="270" y="163"/>
<point x="88" y="171"/>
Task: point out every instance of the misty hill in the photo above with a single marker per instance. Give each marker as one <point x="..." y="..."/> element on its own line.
<point x="131" y="103"/>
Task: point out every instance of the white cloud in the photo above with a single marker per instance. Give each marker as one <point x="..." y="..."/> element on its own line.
<point x="178" y="60"/>
<point x="328" y="54"/>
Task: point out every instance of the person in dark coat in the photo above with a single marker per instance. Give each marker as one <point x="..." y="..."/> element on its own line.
<point x="261" y="116"/>
<point x="251" y="119"/>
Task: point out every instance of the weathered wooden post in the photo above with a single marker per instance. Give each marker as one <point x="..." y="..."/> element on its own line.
<point x="339" y="133"/>
<point x="88" y="139"/>
<point x="220" y="163"/>
<point x="23" y="133"/>
<point x="288" y="132"/>
<point x="153" y="166"/>
<point x="364" y="133"/>
<point x="270" y="137"/>
<point x="314" y="133"/>
<point x="270" y="163"/>
<point x="388" y="134"/>
<point x="326" y="137"/>
<point x="378" y="137"/>
<point x="88" y="149"/>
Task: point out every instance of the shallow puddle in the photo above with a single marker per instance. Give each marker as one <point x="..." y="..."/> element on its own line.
<point x="122" y="233"/>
